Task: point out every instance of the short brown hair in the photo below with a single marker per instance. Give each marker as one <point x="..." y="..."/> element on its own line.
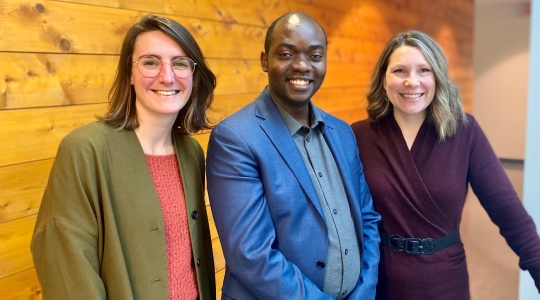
<point x="445" y="110"/>
<point x="192" y="117"/>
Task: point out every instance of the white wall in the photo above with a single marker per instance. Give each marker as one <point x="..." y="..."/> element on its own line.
<point x="501" y="63"/>
<point x="531" y="193"/>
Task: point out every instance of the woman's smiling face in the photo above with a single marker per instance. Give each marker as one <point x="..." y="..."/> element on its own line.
<point x="409" y="83"/>
<point x="166" y="94"/>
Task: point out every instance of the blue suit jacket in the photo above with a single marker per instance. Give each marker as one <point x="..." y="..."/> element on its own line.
<point x="267" y="213"/>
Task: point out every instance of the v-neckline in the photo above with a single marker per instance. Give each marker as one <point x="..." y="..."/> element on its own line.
<point x="416" y="163"/>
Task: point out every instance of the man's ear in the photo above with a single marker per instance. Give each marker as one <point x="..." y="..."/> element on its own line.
<point x="264" y="61"/>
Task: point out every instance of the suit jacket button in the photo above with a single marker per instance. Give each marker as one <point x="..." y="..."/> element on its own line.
<point x="198" y="262"/>
<point x="320" y="264"/>
<point x="194" y="215"/>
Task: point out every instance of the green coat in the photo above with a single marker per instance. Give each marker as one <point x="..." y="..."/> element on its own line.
<point x="100" y="232"/>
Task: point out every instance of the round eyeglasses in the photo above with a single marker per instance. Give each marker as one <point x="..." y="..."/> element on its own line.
<point x="150" y="66"/>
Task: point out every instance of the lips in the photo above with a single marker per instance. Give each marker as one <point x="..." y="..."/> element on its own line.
<point x="166" y="93"/>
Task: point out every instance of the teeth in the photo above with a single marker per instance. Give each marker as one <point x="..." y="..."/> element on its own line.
<point x="299" y="82"/>
<point x="411" y="96"/>
<point x="166" y="93"/>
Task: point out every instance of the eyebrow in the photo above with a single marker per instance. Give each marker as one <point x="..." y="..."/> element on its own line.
<point x="311" y="48"/>
<point x="160" y="57"/>
<point x="405" y="66"/>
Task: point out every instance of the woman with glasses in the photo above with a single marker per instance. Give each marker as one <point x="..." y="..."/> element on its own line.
<point x="123" y="215"/>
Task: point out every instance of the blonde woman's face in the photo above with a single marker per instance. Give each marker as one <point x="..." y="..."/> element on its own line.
<point x="409" y="83"/>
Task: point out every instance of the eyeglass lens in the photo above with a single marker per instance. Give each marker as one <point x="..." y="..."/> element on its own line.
<point x="182" y="67"/>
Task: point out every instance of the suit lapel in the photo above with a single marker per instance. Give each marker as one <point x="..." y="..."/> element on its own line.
<point x="278" y="133"/>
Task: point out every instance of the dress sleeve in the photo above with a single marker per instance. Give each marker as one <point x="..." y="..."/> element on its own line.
<point x="497" y="195"/>
<point x="65" y="242"/>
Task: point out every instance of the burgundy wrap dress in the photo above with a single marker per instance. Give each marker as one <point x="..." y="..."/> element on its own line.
<point x="421" y="193"/>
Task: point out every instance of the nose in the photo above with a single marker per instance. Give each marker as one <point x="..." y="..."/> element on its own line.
<point x="301" y="64"/>
<point x="412" y="80"/>
<point x="166" y="74"/>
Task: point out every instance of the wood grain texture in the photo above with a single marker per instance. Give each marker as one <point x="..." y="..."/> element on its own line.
<point x="219" y="260"/>
<point x="21" y="194"/>
<point x="21" y="285"/>
<point x="38" y="80"/>
<point x="60" y="27"/>
<point x="15" y="237"/>
<point x="219" y="282"/>
<point x="43" y="130"/>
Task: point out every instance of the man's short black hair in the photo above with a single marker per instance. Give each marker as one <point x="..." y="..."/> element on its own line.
<point x="270" y="31"/>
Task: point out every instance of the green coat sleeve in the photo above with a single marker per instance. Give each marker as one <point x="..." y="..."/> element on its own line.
<point x="66" y="237"/>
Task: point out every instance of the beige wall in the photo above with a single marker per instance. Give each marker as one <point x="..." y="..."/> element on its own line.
<point x="501" y="69"/>
<point x="58" y="61"/>
<point x="493" y="266"/>
<point x="501" y="66"/>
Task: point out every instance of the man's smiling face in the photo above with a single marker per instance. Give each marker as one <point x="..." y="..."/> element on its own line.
<point x="296" y="60"/>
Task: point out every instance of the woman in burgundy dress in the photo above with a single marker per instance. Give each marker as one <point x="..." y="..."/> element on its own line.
<point x="420" y="151"/>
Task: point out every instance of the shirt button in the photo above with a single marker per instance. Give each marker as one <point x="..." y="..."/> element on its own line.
<point x="194" y="215"/>
<point x="198" y="262"/>
<point x="320" y="264"/>
<point x="344" y="293"/>
<point x="335" y="211"/>
<point x="307" y="139"/>
<point x="346" y="251"/>
<point x="320" y="174"/>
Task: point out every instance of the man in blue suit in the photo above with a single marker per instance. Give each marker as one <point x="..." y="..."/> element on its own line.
<point x="287" y="190"/>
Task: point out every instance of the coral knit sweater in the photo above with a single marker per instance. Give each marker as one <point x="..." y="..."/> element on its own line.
<point x="168" y="183"/>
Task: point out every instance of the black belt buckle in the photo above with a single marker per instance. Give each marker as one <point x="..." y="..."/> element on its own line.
<point x="428" y="246"/>
<point x="412" y="246"/>
<point x="397" y="242"/>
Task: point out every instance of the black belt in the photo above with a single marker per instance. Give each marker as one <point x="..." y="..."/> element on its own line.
<point x="414" y="246"/>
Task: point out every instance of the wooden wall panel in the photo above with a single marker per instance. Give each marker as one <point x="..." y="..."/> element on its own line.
<point x="22" y="186"/>
<point x="37" y="80"/>
<point x="15" y="237"/>
<point x="34" y="134"/>
<point x="21" y="285"/>
<point x="59" y="60"/>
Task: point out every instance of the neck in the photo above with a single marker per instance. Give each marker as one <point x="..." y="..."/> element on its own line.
<point x="155" y="140"/>
<point x="301" y="115"/>
<point x="154" y="132"/>
<point x="300" y="111"/>
<point x="409" y="125"/>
